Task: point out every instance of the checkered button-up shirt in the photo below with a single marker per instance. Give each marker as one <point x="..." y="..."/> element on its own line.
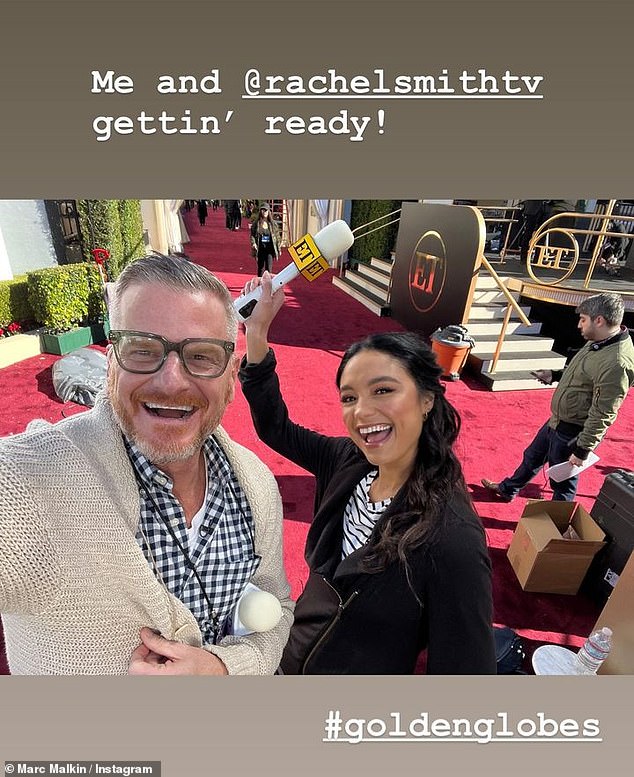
<point x="223" y="550"/>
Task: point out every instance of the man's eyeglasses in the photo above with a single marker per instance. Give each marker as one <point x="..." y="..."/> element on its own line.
<point x="144" y="353"/>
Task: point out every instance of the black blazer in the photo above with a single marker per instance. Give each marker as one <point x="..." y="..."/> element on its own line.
<point x="350" y="621"/>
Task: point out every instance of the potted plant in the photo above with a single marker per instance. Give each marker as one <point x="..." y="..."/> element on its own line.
<point x="67" y="301"/>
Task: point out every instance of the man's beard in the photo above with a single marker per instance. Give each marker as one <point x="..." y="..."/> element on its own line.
<point x="589" y="335"/>
<point x="169" y="451"/>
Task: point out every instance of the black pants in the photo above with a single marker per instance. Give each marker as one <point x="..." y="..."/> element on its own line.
<point x="265" y="262"/>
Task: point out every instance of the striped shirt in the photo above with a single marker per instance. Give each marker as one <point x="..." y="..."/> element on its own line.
<point x="361" y="515"/>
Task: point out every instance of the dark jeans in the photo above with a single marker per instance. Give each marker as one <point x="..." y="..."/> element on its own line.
<point x="549" y="446"/>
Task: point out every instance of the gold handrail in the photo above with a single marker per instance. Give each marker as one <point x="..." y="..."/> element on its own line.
<point x="510" y="298"/>
<point x="498" y="347"/>
<point x="511" y="305"/>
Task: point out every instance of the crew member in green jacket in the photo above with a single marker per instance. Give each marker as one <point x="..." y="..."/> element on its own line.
<point x="586" y="401"/>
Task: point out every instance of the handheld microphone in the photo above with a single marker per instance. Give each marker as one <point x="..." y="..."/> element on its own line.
<point x="311" y="257"/>
<point x="257" y="611"/>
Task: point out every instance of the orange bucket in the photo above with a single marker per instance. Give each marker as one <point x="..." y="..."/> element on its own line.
<point x="451" y="346"/>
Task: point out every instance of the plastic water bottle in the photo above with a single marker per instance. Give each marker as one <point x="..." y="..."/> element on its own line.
<point x="595" y="650"/>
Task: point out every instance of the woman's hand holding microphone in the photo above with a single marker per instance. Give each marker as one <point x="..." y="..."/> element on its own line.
<point x="258" y="323"/>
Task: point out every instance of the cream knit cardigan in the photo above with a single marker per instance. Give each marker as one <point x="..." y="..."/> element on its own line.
<point x="75" y="588"/>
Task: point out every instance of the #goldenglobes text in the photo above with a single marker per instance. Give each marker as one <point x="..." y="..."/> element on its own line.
<point x="327" y="85"/>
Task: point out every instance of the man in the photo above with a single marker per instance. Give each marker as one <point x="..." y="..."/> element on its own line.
<point x="586" y="401"/>
<point x="128" y="533"/>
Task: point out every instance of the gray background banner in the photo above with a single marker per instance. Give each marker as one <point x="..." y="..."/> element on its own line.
<point x="275" y="726"/>
<point x="574" y="142"/>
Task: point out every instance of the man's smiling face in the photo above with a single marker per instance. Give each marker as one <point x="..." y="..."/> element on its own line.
<point x="168" y="414"/>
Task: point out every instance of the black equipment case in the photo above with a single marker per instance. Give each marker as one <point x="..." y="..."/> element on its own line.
<point x="613" y="511"/>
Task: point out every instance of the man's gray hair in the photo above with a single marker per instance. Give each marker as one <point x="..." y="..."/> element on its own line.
<point x="174" y="272"/>
<point x="609" y="305"/>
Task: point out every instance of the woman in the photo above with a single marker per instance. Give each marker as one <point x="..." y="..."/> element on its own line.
<point x="397" y="556"/>
<point x="265" y="241"/>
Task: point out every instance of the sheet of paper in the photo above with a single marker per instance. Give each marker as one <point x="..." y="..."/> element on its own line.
<point x="565" y="470"/>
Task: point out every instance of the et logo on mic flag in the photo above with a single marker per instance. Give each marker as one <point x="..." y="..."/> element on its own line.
<point x="307" y="259"/>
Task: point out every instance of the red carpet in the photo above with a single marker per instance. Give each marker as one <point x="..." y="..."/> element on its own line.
<point x="310" y="334"/>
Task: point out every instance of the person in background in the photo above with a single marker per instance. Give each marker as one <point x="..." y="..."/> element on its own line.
<point x="201" y="206"/>
<point x="229" y="214"/>
<point x="129" y="533"/>
<point x="237" y="214"/>
<point x="586" y="401"/>
<point x="533" y="214"/>
<point x="397" y="555"/>
<point x="265" y="240"/>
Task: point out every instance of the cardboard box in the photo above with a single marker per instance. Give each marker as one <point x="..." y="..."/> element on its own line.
<point x="543" y="560"/>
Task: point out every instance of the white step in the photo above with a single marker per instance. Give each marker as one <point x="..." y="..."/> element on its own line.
<point x="362" y="280"/>
<point x="486" y="281"/>
<point x="378" y="277"/>
<point x="518" y="361"/>
<point x="376" y="306"/>
<point x="492" y="327"/>
<point x="382" y="264"/>
<point x="491" y="297"/>
<point x="512" y="343"/>
<point x="492" y="312"/>
<point x="511" y="381"/>
<point x="522" y="350"/>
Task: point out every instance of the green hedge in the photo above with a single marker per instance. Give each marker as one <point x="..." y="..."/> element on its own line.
<point x="380" y="243"/>
<point x="131" y="230"/>
<point x="115" y="225"/>
<point x="14" y="302"/>
<point x="101" y="228"/>
<point x="62" y="297"/>
<point x="66" y="296"/>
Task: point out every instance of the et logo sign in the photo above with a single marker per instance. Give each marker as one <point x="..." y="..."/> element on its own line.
<point x="427" y="271"/>
<point x="437" y="259"/>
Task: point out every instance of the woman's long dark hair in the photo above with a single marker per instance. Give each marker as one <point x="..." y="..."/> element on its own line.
<point x="437" y="474"/>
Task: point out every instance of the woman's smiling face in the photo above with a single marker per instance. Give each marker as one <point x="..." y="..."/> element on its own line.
<point x="383" y="409"/>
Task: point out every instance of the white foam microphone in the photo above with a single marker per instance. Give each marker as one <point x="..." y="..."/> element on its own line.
<point x="259" y="611"/>
<point x="311" y="255"/>
<point x="256" y="611"/>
